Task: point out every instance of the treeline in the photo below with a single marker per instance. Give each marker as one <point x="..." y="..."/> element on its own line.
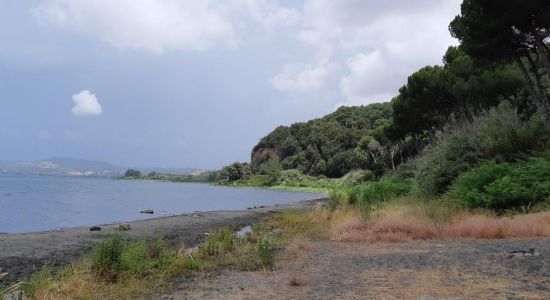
<point x="207" y="176"/>
<point x="470" y="128"/>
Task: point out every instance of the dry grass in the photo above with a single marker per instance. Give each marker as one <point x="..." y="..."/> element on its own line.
<point x="294" y="280"/>
<point x="298" y="247"/>
<point x="439" y="283"/>
<point x="398" y="223"/>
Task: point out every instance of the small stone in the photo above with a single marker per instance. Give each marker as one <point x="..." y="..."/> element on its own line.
<point x="147" y="211"/>
<point x="124" y="227"/>
<point x="95" y="228"/>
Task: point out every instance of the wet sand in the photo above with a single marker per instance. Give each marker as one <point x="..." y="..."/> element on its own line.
<point x="22" y="254"/>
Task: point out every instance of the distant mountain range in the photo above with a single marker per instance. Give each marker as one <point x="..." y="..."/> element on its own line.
<point x="62" y="166"/>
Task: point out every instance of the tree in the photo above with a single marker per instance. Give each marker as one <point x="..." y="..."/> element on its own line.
<point x="494" y="31"/>
<point x="131" y="173"/>
<point x="461" y="88"/>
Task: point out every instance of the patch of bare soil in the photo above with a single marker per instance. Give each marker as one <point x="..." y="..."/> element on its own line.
<point x="465" y="269"/>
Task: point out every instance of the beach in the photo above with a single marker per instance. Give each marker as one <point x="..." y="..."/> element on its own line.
<point x="22" y="254"/>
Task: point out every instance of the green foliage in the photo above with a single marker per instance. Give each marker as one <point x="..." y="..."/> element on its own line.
<point x="267" y="249"/>
<point x="460" y="88"/>
<point x="39" y="280"/>
<point x="219" y="242"/>
<point x="327" y="146"/>
<point x="505" y="137"/>
<point x="131" y="173"/>
<point x="116" y="257"/>
<point x="375" y="192"/>
<point x="504" y="186"/>
<point x="234" y="172"/>
<point x="358" y="176"/>
<point x="206" y="176"/>
<point x="499" y="135"/>
<point x="442" y="163"/>
<point x="106" y="258"/>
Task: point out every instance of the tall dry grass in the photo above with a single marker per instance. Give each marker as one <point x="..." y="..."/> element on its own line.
<point x="398" y="222"/>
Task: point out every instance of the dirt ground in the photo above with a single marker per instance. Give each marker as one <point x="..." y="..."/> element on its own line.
<point x="476" y="269"/>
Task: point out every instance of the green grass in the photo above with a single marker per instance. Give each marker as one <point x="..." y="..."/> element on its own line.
<point x="120" y="268"/>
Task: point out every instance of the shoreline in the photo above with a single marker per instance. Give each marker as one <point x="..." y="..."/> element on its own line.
<point x="21" y="254"/>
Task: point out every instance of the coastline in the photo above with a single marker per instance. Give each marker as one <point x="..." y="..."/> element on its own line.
<point x="24" y="253"/>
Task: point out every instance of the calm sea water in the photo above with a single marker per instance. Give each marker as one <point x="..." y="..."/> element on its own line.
<point x="37" y="203"/>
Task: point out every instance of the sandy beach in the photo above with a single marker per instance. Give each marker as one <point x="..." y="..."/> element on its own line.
<point x="22" y="254"/>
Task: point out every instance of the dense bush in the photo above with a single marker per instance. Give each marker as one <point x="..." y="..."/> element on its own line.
<point x="117" y="256"/>
<point x="358" y="176"/>
<point x="374" y="192"/>
<point x="327" y="146"/>
<point x="234" y="172"/>
<point x="498" y="135"/>
<point x="503" y="186"/>
<point x="267" y="249"/>
<point x="442" y="163"/>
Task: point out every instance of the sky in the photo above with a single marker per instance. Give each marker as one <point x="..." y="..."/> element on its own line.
<point x="177" y="83"/>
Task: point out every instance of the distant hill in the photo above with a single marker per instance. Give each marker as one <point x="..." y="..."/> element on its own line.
<point x="63" y="166"/>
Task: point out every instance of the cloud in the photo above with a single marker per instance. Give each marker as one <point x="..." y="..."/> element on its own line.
<point x="381" y="42"/>
<point x="301" y="78"/>
<point x="86" y="104"/>
<point x="270" y="13"/>
<point x="152" y="25"/>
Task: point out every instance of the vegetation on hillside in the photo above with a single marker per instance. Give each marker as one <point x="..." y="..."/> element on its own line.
<point x="331" y="146"/>
<point x="462" y="131"/>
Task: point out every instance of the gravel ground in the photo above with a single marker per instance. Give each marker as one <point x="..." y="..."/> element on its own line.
<point x="464" y="269"/>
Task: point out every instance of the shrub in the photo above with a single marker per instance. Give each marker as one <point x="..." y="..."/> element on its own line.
<point x="503" y="136"/>
<point x="106" y="258"/>
<point x="39" y="280"/>
<point x="266" y="250"/>
<point x="374" y="192"/>
<point x="442" y="163"/>
<point x="503" y="186"/>
<point x="116" y="256"/>
<point x="219" y="242"/>
<point x="499" y="135"/>
<point x="358" y="176"/>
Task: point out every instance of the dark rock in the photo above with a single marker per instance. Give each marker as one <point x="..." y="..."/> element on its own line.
<point x="522" y="253"/>
<point x="95" y="228"/>
<point x="124" y="227"/>
<point x="147" y="211"/>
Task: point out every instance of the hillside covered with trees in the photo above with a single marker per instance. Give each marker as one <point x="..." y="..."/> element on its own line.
<point x="475" y="128"/>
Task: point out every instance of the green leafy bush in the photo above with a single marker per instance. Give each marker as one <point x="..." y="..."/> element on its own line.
<point x="358" y="176"/>
<point x="504" y="186"/>
<point x="106" y="257"/>
<point x="39" y="280"/>
<point x="267" y="249"/>
<point x="441" y="164"/>
<point x="374" y="192"/>
<point x="219" y="242"/>
<point x="499" y="135"/>
<point x="117" y="256"/>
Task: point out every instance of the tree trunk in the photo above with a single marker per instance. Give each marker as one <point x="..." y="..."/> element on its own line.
<point x="542" y="53"/>
<point x="536" y="74"/>
<point x="539" y="102"/>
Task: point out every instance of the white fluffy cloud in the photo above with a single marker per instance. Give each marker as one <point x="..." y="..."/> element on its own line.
<point x="86" y="104"/>
<point x="301" y="78"/>
<point x="153" y="25"/>
<point x="381" y="42"/>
